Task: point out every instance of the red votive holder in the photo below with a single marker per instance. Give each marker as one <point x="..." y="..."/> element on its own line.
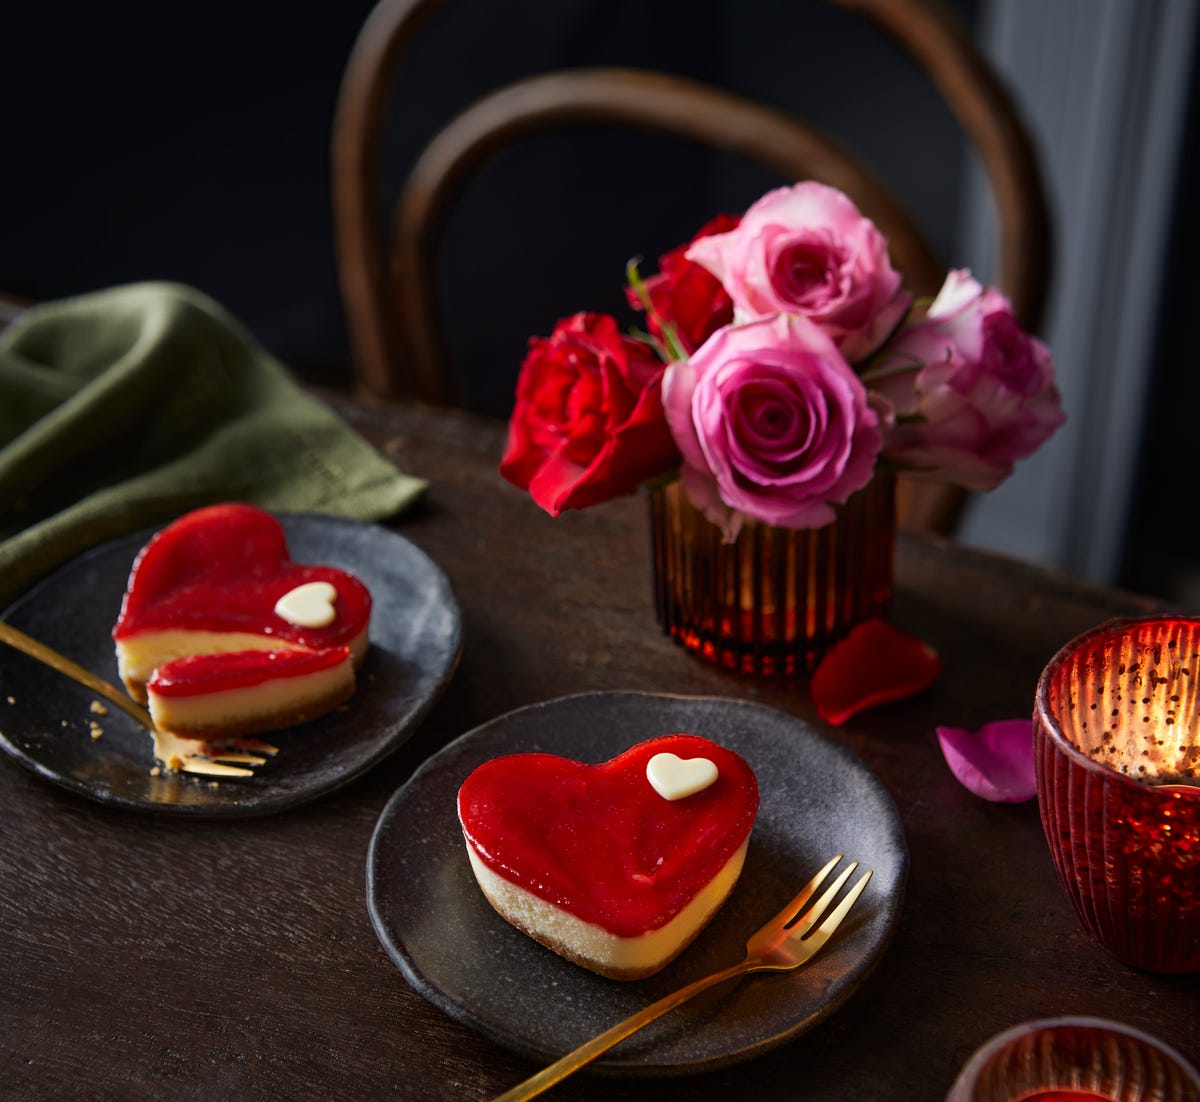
<point x="1117" y="753"/>
<point x="1075" y="1060"/>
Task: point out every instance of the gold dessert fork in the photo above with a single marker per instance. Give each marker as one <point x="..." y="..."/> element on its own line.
<point x="782" y="945"/>
<point x="210" y="759"/>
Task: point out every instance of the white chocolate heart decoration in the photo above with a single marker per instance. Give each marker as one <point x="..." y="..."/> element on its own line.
<point x="675" y="778"/>
<point x="309" y="605"/>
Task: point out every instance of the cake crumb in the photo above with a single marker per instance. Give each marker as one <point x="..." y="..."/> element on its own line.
<point x="96" y="731"/>
<point x="98" y="709"/>
<point x="156" y="772"/>
<point x="214" y="784"/>
<point x="12" y="700"/>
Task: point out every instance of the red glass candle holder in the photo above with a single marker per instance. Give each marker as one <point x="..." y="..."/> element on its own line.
<point x="774" y="600"/>
<point x="1117" y="755"/>
<point x="1075" y="1060"/>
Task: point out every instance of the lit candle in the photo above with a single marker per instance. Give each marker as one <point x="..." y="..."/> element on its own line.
<point x="1075" y="1060"/>
<point x="1117" y="754"/>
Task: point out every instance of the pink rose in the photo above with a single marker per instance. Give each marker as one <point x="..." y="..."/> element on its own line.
<point x="806" y="250"/>
<point x="980" y="394"/>
<point x="772" y="423"/>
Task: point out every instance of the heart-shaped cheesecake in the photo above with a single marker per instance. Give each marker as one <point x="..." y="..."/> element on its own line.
<point x="220" y="580"/>
<point x="616" y="866"/>
<point x="247" y="692"/>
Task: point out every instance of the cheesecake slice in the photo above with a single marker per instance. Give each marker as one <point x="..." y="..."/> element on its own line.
<point x="220" y="696"/>
<point x="617" y="866"/>
<point x="221" y="580"/>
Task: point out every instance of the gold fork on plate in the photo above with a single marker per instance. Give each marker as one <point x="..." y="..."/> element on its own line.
<point x="231" y="758"/>
<point x="781" y="945"/>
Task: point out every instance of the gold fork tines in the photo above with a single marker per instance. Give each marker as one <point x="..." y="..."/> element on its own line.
<point x="210" y="759"/>
<point x="783" y="943"/>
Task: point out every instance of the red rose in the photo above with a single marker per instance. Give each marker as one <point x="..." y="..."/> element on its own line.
<point x="588" y="421"/>
<point x="687" y="296"/>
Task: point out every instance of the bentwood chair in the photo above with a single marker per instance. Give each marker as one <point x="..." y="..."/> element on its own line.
<point x="391" y="305"/>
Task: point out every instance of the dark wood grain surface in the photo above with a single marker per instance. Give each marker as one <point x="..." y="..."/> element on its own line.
<point x="145" y="958"/>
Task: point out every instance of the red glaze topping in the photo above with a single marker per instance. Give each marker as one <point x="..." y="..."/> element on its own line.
<point x="199" y="674"/>
<point x="223" y="568"/>
<point x="598" y="840"/>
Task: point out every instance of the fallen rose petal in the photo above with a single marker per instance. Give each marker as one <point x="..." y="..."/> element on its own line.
<point x="996" y="762"/>
<point x="875" y="664"/>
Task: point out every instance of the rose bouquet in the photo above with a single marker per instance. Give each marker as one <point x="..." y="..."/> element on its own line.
<point x="783" y="364"/>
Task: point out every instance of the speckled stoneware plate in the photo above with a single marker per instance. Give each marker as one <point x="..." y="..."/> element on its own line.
<point x="816" y="799"/>
<point x="416" y="640"/>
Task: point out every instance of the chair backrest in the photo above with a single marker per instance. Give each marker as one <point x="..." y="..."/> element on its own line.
<point x="392" y="311"/>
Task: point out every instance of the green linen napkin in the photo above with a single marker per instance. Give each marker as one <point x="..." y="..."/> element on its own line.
<point x="127" y="407"/>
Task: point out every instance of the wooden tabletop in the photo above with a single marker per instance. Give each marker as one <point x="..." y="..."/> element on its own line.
<point x="154" y="958"/>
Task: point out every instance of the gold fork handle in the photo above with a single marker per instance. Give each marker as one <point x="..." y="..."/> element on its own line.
<point x="14" y="637"/>
<point x="587" y="1052"/>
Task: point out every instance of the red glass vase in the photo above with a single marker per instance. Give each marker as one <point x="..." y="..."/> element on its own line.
<point x="1117" y="756"/>
<point x="774" y="600"/>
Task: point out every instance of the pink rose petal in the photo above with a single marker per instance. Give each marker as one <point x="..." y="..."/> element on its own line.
<point x="996" y="762"/>
<point x="875" y="664"/>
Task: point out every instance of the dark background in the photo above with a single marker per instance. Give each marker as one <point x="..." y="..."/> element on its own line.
<point x="194" y="146"/>
<point x="200" y="152"/>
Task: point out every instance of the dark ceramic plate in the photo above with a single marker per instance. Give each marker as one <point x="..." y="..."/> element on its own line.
<point x="817" y="799"/>
<point x="415" y="644"/>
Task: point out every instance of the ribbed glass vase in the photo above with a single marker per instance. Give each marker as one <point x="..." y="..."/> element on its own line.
<point x="1116" y="740"/>
<point x="1075" y="1060"/>
<point x="774" y="600"/>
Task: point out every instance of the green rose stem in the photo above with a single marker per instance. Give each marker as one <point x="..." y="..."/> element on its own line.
<point x="674" y="350"/>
